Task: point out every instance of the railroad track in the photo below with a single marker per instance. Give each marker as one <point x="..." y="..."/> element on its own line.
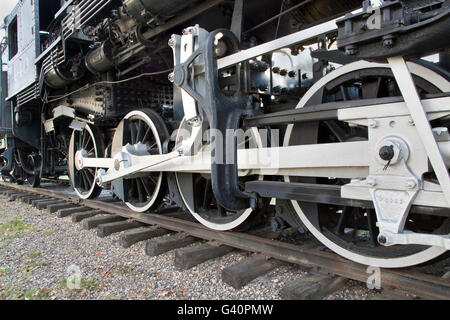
<point x="329" y="270"/>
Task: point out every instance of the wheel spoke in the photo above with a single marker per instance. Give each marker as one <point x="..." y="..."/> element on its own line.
<point x="146" y="134"/>
<point x="89" y="140"/>
<point x="83" y="184"/>
<point x="138" y="135"/>
<point x="90" y="177"/>
<point x="152" y="179"/>
<point x="337" y="130"/>
<point x="153" y="151"/>
<point x="141" y="195"/>
<point x="77" y="180"/>
<point x="91" y="172"/>
<point x="207" y="196"/>
<point x="88" y="183"/>
<point x="132" y="132"/>
<point x="146" y="187"/>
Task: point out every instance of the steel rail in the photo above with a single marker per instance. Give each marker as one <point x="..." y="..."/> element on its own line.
<point x="413" y="283"/>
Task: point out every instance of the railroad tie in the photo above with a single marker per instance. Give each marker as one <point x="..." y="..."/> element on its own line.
<point x="30" y="199"/>
<point x="133" y="236"/>
<point x="58" y="207"/>
<point x="187" y="258"/>
<point x="67" y="211"/>
<point x="29" y="196"/>
<point x="45" y="204"/>
<point x="312" y="287"/>
<point x="84" y="213"/>
<point x="156" y="247"/>
<point x="93" y="222"/>
<point x="14" y="196"/>
<point x="25" y="194"/>
<point x="242" y="273"/>
<point x="107" y="229"/>
<point x="34" y="203"/>
<point x="9" y="193"/>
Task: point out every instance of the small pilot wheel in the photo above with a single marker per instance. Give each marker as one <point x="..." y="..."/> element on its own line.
<point x="90" y="143"/>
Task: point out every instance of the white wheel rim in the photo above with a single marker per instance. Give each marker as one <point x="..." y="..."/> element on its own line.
<point x="400" y="262"/>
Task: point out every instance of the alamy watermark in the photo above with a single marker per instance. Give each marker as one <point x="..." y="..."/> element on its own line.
<point x="225" y="147"/>
<point x="374" y="280"/>
<point x="375" y="19"/>
<point x="73" y="277"/>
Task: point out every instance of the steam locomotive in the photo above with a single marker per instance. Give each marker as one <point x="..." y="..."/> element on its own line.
<point x="317" y="115"/>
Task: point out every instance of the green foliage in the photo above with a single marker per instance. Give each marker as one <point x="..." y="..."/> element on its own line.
<point x="14" y="228"/>
<point x="34" y="255"/>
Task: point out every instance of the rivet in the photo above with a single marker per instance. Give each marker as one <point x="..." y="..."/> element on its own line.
<point x="373" y="123"/>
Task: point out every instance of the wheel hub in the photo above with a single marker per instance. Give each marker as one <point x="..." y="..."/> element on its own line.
<point x="79" y="159"/>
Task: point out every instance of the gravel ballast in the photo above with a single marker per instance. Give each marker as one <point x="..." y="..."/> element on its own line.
<point x="39" y="254"/>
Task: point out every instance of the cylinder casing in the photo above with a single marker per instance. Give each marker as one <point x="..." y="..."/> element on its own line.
<point x="57" y="78"/>
<point x="100" y="60"/>
<point x="155" y="7"/>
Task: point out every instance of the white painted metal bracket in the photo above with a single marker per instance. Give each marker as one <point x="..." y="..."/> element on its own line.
<point x="183" y="48"/>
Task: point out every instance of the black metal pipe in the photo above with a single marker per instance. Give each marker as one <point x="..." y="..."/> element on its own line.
<point x="278" y="16"/>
